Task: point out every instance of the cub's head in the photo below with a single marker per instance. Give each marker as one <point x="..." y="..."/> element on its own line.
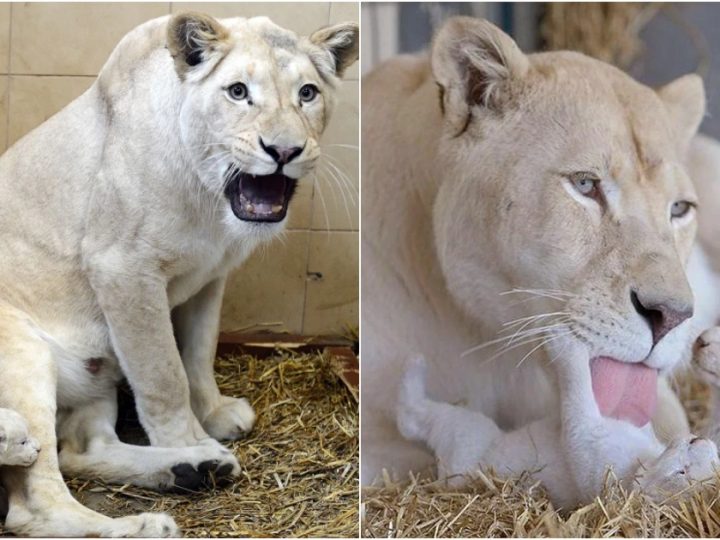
<point x="16" y="446"/>
<point x="564" y="175"/>
<point x="256" y="99"/>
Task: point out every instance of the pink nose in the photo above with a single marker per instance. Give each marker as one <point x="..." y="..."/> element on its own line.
<point x="661" y="316"/>
<point x="282" y="154"/>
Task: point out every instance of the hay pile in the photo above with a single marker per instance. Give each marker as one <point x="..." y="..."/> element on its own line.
<point x="493" y="506"/>
<point x="607" y="31"/>
<point x="299" y="464"/>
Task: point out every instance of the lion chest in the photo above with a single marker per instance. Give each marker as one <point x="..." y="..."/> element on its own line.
<point x="203" y="268"/>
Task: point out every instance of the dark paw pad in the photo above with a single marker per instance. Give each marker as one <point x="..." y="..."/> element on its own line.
<point x="187" y="478"/>
<point x="224" y="470"/>
<point x="207" y="475"/>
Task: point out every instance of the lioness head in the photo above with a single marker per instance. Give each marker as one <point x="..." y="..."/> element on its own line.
<point x="256" y="98"/>
<point x="564" y="175"/>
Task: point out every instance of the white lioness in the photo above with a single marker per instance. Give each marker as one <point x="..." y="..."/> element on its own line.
<point x="536" y="204"/>
<point x="121" y="217"/>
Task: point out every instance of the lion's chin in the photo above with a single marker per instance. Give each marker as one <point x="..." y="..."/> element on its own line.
<point x="260" y="198"/>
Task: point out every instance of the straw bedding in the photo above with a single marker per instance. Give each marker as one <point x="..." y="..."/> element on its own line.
<point x="493" y="506"/>
<point x="299" y="464"/>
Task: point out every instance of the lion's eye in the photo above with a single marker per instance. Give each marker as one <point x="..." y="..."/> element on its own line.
<point x="308" y="92"/>
<point x="680" y="209"/>
<point x="586" y="184"/>
<point x="237" y="91"/>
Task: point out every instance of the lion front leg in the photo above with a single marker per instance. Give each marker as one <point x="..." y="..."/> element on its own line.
<point x="135" y="304"/>
<point x="706" y="361"/>
<point x="39" y="503"/>
<point x="90" y="448"/>
<point x="197" y="324"/>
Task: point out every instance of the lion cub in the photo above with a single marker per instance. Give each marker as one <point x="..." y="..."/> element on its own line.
<point x="16" y="446"/>
<point x="464" y="441"/>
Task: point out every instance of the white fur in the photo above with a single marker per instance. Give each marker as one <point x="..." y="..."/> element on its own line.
<point x="117" y="238"/>
<point x="469" y="225"/>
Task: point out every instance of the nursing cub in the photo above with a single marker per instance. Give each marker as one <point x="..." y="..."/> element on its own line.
<point x="122" y="216"/>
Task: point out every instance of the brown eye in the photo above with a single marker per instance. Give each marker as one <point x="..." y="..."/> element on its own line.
<point x="308" y="92"/>
<point x="237" y="91"/>
<point x="680" y="209"/>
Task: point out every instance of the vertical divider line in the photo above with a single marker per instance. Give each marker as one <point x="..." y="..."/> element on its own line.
<point x="8" y="79"/>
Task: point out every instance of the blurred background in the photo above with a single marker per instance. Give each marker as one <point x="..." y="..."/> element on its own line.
<point x="304" y="283"/>
<point x="654" y="42"/>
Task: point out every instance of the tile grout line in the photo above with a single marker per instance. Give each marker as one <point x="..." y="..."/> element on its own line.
<point x="306" y="281"/>
<point x="309" y="230"/>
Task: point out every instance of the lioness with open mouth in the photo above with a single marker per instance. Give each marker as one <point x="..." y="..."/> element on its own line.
<point x="121" y="217"/>
<point x="527" y="224"/>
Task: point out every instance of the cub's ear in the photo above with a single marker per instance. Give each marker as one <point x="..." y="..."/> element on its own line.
<point x="684" y="99"/>
<point x="194" y="38"/>
<point x="473" y="61"/>
<point x="342" y="42"/>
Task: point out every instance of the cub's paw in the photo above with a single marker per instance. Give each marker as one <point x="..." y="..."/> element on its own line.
<point x="706" y="356"/>
<point x="411" y="404"/>
<point x="686" y="461"/>
<point x="206" y="465"/>
<point x="230" y="420"/>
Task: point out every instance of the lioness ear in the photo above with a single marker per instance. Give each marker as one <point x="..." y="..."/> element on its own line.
<point x="341" y="41"/>
<point x="684" y="99"/>
<point x="472" y="61"/>
<point x="192" y="38"/>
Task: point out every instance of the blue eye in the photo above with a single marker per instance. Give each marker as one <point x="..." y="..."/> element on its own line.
<point x="237" y="91"/>
<point x="308" y="92"/>
<point x="586" y="184"/>
<point x="680" y="209"/>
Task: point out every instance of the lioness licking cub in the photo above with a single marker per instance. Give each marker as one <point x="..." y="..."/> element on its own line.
<point x="530" y="271"/>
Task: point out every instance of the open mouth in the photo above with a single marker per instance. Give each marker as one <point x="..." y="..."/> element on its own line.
<point x="623" y="390"/>
<point x="260" y="198"/>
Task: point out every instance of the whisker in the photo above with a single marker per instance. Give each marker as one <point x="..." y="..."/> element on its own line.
<point x="543" y="343"/>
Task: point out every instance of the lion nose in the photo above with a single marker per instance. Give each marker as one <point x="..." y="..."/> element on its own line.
<point x="282" y="154"/>
<point x="662" y="316"/>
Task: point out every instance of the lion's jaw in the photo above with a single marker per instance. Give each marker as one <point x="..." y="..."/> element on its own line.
<point x="509" y="216"/>
<point x="254" y="107"/>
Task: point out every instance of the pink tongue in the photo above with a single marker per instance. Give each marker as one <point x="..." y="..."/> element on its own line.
<point x="624" y="391"/>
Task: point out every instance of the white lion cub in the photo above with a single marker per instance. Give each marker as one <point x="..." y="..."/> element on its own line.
<point x="464" y="441"/>
<point x="16" y="446"/>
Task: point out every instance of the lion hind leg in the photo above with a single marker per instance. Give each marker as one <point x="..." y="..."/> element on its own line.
<point x="39" y="502"/>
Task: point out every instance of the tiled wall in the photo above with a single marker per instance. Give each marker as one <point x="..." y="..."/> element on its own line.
<point x="306" y="282"/>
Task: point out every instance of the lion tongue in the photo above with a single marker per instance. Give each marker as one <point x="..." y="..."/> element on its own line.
<point x="624" y="391"/>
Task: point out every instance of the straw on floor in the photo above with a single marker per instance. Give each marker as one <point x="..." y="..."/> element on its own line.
<point x="299" y="464"/>
<point x="516" y="507"/>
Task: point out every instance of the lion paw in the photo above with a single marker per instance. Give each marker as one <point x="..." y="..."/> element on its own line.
<point x="687" y="460"/>
<point x="706" y="356"/>
<point x="231" y="420"/>
<point x="146" y="525"/>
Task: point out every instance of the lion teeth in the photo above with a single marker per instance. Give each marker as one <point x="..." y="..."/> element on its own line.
<point x="276" y="208"/>
<point x="250" y="208"/>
